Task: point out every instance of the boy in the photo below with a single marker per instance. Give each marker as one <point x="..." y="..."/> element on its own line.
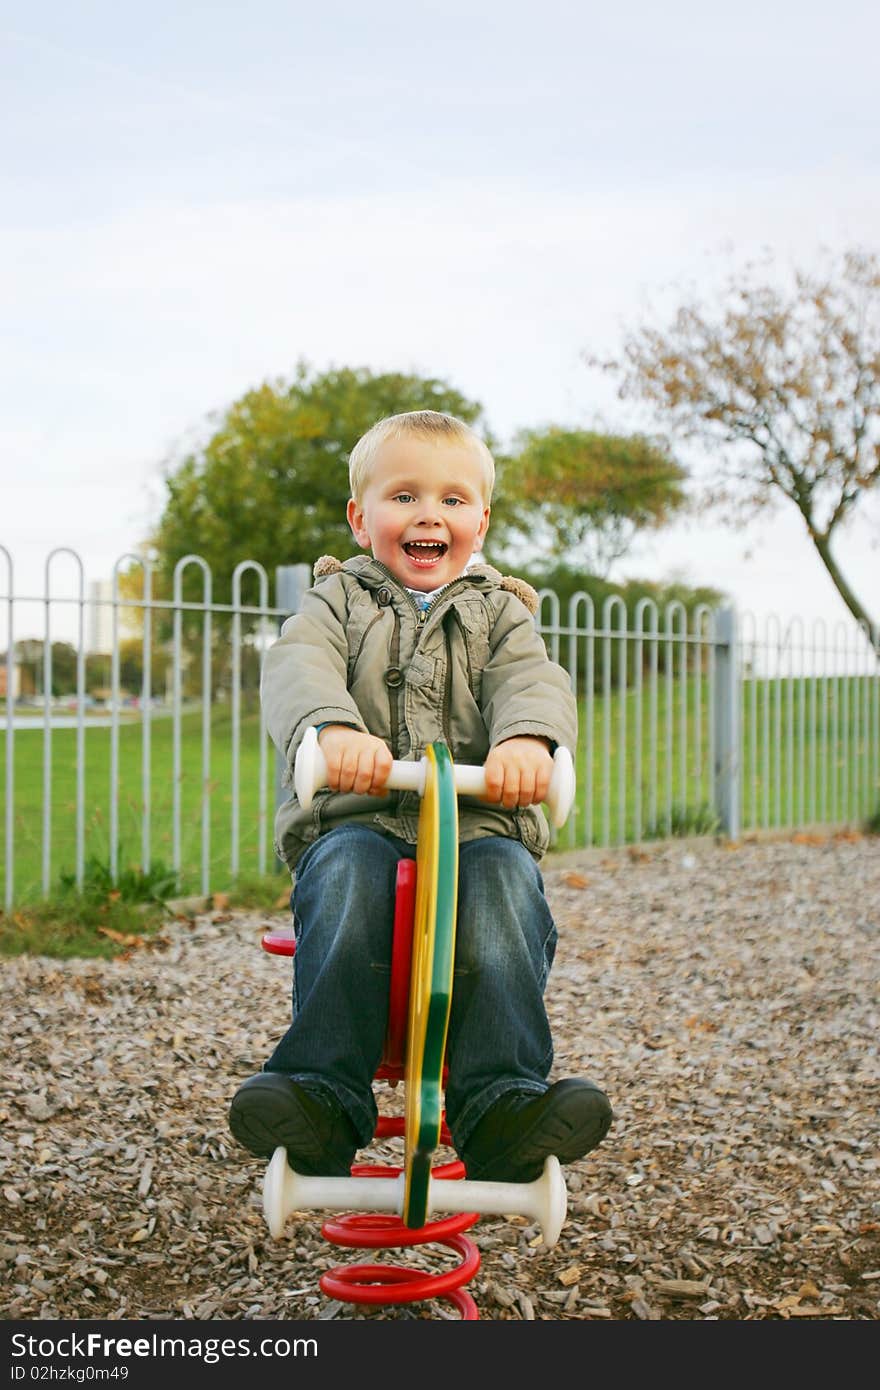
<point x="388" y="654"/>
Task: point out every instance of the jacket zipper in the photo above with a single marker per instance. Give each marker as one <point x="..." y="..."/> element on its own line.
<point x="393" y="695"/>
<point x="422" y="615"/>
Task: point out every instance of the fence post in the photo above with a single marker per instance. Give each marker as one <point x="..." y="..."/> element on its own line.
<point x="291" y="582"/>
<point x="725" y="734"/>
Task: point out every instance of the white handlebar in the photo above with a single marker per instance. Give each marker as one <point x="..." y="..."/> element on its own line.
<point x="310" y="773"/>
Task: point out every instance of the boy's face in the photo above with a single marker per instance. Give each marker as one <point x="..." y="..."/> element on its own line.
<point x="422" y="513"/>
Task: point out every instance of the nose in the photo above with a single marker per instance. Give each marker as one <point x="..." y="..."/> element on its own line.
<point x="429" y="513"/>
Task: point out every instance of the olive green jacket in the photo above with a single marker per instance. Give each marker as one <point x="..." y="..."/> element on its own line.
<point x="469" y="672"/>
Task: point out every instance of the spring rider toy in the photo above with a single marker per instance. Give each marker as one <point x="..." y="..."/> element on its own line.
<point x="391" y="1207"/>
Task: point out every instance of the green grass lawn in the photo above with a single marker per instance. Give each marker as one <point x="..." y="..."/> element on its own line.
<point x="28" y="801"/>
<point x="810" y="754"/>
<point x="637" y="778"/>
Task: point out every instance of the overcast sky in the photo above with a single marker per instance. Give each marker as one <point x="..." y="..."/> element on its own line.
<point x="195" y="196"/>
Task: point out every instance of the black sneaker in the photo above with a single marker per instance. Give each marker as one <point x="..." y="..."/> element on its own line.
<point x="518" y="1132"/>
<point x="269" y="1109"/>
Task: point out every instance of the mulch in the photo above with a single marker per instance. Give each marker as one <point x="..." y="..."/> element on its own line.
<point x="725" y="996"/>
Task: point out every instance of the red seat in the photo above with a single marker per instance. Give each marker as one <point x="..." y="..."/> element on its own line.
<point x="391" y="1067"/>
<point x="279" y="943"/>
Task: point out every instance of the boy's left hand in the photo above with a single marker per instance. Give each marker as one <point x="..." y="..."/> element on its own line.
<point x="518" y="771"/>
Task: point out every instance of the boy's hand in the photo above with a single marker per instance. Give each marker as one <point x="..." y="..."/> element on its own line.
<point x="356" y="762"/>
<point x="518" y="771"/>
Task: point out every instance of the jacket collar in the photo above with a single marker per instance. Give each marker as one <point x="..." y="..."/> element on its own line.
<point x="373" y="575"/>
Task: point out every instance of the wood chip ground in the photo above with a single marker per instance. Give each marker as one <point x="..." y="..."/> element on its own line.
<point x="726" y="997"/>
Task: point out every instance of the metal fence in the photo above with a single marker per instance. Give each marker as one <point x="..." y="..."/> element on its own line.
<point x="691" y="722"/>
<point x="707" y="721"/>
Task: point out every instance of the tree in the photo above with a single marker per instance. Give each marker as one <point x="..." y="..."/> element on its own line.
<point x="30" y="654"/>
<point x="271" y="483"/>
<point x="786" y="376"/>
<point x="587" y="494"/>
<point x="131" y="667"/>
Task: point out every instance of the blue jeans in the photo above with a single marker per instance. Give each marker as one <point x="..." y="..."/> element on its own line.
<point x="343" y="911"/>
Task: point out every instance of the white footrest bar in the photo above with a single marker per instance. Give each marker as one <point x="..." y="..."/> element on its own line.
<point x="545" y="1200"/>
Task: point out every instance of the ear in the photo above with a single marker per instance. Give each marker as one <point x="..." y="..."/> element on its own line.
<point x="482" y="529"/>
<point x="358" y="523"/>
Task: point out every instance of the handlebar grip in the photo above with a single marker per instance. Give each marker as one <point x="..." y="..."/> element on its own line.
<point x="310" y="773"/>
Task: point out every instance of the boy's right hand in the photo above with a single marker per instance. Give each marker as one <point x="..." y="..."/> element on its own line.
<point x="356" y="762"/>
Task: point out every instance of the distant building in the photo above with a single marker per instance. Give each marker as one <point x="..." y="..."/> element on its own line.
<point x="99" y="619"/>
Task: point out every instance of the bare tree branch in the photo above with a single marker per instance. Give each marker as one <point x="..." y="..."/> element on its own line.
<point x="789" y="376"/>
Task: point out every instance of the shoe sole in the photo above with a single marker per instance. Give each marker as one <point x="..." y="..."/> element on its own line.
<point x="263" y="1117"/>
<point x="569" y="1128"/>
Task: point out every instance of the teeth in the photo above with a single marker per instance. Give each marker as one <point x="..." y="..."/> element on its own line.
<point x="430" y="545"/>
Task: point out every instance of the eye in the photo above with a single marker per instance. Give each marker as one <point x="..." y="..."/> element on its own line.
<point x="403" y="497"/>
<point x="453" y="501"/>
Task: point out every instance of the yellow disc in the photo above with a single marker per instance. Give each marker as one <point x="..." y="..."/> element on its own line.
<point x="433" y="959"/>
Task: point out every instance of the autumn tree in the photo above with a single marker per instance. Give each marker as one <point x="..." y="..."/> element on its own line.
<point x="580" y="496"/>
<point x="784" y="376"/>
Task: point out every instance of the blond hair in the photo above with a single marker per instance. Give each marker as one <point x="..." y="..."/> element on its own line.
<point x="421" y="424"/>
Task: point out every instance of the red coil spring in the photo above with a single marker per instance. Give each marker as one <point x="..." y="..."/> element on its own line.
<point x="393" y="1284"/>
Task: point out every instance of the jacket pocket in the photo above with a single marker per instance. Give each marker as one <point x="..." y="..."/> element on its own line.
<point x="533" y="830"/>
<point x="471" y="625"/>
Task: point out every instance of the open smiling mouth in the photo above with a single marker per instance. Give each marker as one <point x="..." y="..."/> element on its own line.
<point x="424" y="552"/>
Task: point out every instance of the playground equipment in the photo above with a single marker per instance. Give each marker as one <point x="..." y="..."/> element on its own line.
<point x="388" y="1206"/>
